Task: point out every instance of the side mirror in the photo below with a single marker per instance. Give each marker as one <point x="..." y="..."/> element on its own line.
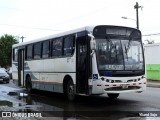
<point x="92" y="42"/>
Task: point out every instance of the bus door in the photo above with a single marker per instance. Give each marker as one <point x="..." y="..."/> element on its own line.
<point x="82" y="65"/>
<point x="21" y="67"/>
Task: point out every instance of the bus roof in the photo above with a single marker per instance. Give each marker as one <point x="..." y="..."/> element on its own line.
<point x="88" y="28"/>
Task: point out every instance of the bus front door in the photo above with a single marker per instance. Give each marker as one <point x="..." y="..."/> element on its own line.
<point x="21" y="67"/>
<point x="82" y="66"/>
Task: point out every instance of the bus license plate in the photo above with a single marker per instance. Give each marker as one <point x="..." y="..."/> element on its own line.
<point x="124" y="86"/>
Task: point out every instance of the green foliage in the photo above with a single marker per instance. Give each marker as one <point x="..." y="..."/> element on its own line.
<point x="6" y="42"/>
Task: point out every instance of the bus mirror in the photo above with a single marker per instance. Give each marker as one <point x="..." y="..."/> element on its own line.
<point x="92" y="42"/>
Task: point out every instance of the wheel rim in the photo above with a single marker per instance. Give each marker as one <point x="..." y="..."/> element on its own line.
<point x="70" y="91"/>
<point x="29" y="85"/>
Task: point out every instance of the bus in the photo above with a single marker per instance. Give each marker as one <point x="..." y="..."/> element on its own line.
<point x="91" y="60"/>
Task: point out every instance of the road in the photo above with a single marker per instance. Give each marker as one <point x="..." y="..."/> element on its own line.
<point x="127" y="106"/>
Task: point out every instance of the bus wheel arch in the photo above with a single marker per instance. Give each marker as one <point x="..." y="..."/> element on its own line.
<point x="28" y="83"/>
<point x="69" y="88"/>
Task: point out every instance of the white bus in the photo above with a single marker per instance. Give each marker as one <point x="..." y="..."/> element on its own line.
<point x="87" y="61"/>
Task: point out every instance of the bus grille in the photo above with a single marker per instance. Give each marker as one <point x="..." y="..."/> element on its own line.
<point x="120" y="88"/>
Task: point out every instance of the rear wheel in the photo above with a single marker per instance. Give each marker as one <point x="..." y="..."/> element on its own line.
<point x="29" y="84"/>
<point x="70" y="92"/>
<point x="113" y="96"/>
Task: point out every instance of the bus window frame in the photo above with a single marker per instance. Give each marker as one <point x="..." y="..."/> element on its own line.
<point x="49" y="49"/>
<point x="52" y="42"/>
<point x="40" y="51"/>
<point x="72" y="47"/>
<point x="26" y="52"/>
<point x="14" y="57"/>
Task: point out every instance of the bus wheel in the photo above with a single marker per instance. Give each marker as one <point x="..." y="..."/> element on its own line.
<point x="113" y="96"/>
<point x="70" y="91"/>
<point x="29" y="85"/>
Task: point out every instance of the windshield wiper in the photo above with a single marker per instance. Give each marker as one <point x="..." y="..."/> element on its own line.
<point x="128" y="47"/>
<point x="116" y="52"/>
<point x="126" y="51"/>
<point x="130" y="39"/>
<point x="129" y="43"/>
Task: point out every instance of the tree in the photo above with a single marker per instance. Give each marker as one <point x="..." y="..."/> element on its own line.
<point x="6" y="42"/>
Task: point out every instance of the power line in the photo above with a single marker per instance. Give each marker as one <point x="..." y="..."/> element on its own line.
<point x="31" y="27"/>
<point x="151" y="34"/>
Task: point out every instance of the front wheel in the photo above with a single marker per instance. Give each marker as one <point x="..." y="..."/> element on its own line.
<point x="29" y="85"/>
<point x="113" y="96"/>
<point x="70" y="91"/>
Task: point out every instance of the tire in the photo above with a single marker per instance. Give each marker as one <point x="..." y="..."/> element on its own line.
<point x="113" y="96"/>
<point x="70" y="92"/>
<point x="29" y="85"/>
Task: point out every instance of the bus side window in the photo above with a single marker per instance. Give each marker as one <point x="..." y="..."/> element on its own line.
<point x="45" y="49"/>
<point x="57" y="47"/>
<point x="37" y="51"/>
<point x="29" y="54"/>
<point x="69" y="45"/>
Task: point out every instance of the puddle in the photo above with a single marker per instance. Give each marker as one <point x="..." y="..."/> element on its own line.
<point x="4" y="92"/>
<point x="13" y="93"/>
<point x="50" y="105"/>
<point x="54" y="105"/>
<point x="27" y="103"/>
<point x="6" y="103"/>
<point x="23" y="95"/>
<point x="40" y="102"/>
<point x="18" y="95"/>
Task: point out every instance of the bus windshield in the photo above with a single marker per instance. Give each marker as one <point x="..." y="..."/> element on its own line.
<point x="119" y="53"/>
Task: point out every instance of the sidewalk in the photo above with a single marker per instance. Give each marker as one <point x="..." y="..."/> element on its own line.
<point x="153" y="83"/>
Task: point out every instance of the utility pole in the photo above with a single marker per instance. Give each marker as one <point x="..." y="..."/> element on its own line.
<point x="137" y="17"/>
<point x="22" y="38"/>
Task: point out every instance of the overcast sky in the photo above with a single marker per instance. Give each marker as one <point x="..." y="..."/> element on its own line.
<point x="38" y="18"/>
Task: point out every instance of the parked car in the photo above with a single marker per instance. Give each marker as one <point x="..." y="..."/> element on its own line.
<point x="3" y="69"/>
<point x="4" y="77"/>
<point x="9" y="71"/>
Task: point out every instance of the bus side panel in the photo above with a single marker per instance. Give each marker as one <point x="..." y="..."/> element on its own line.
<point x="64" y="66"/>
<point x="33" y="69"/>
<point x="51" y="77"/>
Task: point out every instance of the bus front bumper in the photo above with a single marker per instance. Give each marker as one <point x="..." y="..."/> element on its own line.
<point x="125" y="87"/>
<point x="104" y="87"/>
